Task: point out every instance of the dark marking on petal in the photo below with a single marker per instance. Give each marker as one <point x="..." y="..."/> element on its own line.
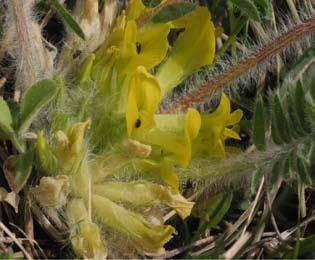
<point x="138" y="46"/>
<point x="138" y="123"/>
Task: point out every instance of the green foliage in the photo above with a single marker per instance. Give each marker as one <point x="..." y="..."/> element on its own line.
<point x="8" y="254"/>
<point x="292" y="130"/>
<point x="151" y="3"/>
<point x="215" y="211"/>
<point x="259" y="125"/>
<point x="6" y="129"/>
<point x="17" y="169"/>
<point x="34" y="100"/>
<point x="264" y="6"/>
<point x="248" y="7"/>
<point x="67" y="18"/>
<point x="173" y="11"/>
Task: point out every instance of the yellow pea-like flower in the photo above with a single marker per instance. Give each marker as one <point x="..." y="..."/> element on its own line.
<point x="173" y="135"/>
<point x="142" y="101"/>
<point x="194" y="48"/>
<point x="214" y="129"/>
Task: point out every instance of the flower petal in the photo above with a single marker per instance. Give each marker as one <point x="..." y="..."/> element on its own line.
<point x="85" y="235"/>
<point x="195" y="47"/>
<point x="147" y="237"/>
<point x="235" y="117"/>
<point x="52" y="191"/>
<point x="144" y="194"/>
<point x="212" y="128"/>
<point x="135" y="8"/>
<point x="142" y="101"/>
<point x="173" y="134"/>
<point x="169" y="175"/>
<point x="231" y="134"/>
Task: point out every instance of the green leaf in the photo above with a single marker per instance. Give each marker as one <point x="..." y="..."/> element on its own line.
<point x="17" y="169"/>
<point x="294" y="121"/>
<point x="5" y="120"/>
<point x="287" y="166"/>
<point x="151" y="3"/>
<point x="307" y="246"/>
<point x="216" y="211"/>
<point x="35" y="98"/>
<point x="8" y="255"/>
<point x="247" y="7"/>
<point x="303" y="172"/>
<point x="275" y="131"/>
<point x="173" y="11"/>
<point x="67" y="18"/>
<point x="301" y="108"/>
<point x="277" y="169"/>
<point x="264" y="7"/>
<point x="259" y="126"/>
<point x="299" y="67"/>
<point x="280" y="120"/>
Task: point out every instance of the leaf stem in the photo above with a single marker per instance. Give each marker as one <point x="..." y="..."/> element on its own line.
<point x="232" y="38"/>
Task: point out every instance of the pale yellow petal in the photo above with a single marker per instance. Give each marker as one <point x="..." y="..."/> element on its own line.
<point x="144" y="194"/>
<point x="84" y="235"/>
<point x="146" y="237"/>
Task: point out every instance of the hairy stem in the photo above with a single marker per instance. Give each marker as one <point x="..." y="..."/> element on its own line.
<point x="242" y="67"/>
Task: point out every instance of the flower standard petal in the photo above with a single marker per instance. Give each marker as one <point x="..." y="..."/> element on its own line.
<point x="194" y="48"/>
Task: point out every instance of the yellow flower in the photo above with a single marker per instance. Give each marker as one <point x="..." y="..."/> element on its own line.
<point x="194" y="48"/>
<point x="144" y="194"/>
<point x="173" y="135"/>
<point x="85" y="235"/>
<point x="146" y="46"/>
<point x="147" y="237"/>
<point x="142" y="101"/>
<point x="52" y="191"/>
<point x="135" y="8"/>
<point x="70" y="147"/>
<point x="214" y="129"/>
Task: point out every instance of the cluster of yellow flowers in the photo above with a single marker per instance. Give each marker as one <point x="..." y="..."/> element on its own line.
<point x="128" y="95"/>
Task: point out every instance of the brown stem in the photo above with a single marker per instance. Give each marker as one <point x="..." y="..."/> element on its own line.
<point x="237" y="70"/>
<point x="29" y="229"/>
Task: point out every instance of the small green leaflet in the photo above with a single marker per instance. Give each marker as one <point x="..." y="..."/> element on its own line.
<point x="264" y="7"/>
<point x="248" y="7"/>
<point x="35" y="98"/>
<point x="67" y="18"/>
<point x="173" y="12"/>
<point x="259" y="125"/>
